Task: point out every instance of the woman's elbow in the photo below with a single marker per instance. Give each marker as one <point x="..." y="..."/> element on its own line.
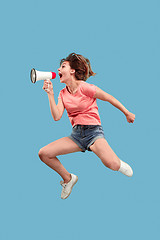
<point x="57" y="119"/>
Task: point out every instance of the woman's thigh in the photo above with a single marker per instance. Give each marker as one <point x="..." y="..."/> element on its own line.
<point x="102" y="149"/>
<point x="60" y="147"/>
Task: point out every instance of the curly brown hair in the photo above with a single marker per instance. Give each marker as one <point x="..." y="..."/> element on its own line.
<point x="81" y="65"/>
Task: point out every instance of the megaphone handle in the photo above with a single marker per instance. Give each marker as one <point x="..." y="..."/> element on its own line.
<point x="48" y="84"/>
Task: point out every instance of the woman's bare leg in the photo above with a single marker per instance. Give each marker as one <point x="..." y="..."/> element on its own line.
<point x="49" y="153"/>
<point x="102" y="149"/>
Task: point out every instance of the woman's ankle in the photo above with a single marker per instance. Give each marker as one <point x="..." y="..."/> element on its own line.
<point x="67" y="178"/>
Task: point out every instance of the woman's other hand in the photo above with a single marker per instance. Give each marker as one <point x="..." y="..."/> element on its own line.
<point x="130" y="117"/>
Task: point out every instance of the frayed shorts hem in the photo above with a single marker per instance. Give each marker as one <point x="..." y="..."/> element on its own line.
<point x="79" y="145"/>
<point x="91" y="143"/>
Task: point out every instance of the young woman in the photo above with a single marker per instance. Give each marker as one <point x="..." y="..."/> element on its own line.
<point x="79" y="99"/>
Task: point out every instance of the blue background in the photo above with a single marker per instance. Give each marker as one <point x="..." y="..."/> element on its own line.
<point x="121" y="39"/>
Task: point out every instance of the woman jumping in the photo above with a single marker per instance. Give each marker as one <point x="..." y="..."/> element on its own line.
<point x="79" y="99"/>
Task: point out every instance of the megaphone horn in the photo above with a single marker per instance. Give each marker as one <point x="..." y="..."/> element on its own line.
<point x="39" y="75"/>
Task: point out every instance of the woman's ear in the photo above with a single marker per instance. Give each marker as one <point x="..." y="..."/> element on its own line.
<point x="72" y="71"/>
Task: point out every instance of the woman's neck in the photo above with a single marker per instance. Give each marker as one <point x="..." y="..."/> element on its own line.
<point x="73" y="85"/>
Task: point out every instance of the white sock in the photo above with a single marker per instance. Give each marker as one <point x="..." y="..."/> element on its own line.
<point x="125" y="169"/>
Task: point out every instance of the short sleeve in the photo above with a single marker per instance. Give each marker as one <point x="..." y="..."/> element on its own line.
<point x="88" y="89"/>
<point x="61" y="96"/>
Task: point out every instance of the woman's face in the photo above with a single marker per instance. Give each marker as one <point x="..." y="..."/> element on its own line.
<point x="65" y="72"/>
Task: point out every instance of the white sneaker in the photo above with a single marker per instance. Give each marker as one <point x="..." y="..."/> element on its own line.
<point x="125" y="169"/>
<point x="67" y="187"/>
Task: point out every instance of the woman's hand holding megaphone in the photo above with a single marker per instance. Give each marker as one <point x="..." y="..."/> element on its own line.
<point x="48" y="86"/>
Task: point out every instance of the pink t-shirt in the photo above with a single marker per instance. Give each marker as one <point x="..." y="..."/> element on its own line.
<point x="81" y="106"/>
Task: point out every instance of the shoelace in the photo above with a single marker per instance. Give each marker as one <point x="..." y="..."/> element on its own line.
<point x="63" y="185"/>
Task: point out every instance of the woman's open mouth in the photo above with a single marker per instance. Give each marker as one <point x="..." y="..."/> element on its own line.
<point x="60" y="74"/>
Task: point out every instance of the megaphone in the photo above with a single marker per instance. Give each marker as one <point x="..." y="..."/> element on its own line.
<point x="39" y="75"/>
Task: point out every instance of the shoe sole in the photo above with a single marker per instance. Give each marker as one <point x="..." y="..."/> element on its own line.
<point x="71" y="188"/>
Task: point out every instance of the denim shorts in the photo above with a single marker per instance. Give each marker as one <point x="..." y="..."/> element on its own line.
<point x="85" y="135"/>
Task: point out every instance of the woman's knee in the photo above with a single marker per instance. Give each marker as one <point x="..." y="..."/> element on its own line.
<point x="112" y="163"/>
<point x="42" y="153"/>
<point x="46" y="152"/>
<point x="116" y="165"/>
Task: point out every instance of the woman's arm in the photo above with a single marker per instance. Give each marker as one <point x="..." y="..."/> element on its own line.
<point x="56" y="110"/>
<point x="100" y="94"/>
